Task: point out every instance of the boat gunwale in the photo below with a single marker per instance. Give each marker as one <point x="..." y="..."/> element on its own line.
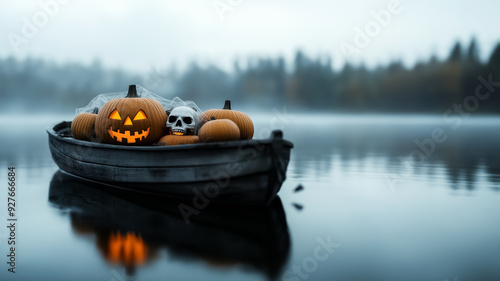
<point x="275" y="135"/>
<point x="140" y="167"/>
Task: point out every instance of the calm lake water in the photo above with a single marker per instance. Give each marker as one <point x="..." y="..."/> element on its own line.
<point x="375" y="205"/>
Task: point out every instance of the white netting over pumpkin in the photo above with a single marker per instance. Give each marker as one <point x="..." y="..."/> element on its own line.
<point x="176" y="102"/>
<point x="168" y="105"/>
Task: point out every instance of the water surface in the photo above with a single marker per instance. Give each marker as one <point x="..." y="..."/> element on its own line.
<point x="391" y="214"/>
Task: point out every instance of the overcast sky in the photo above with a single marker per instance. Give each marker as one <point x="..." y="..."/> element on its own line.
<point x="140" y="35"/>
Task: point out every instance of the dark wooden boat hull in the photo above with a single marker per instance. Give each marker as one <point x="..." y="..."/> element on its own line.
<point x="249" y="171"/>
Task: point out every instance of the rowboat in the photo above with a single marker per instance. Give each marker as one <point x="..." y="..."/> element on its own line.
<point x="238" y="172"/>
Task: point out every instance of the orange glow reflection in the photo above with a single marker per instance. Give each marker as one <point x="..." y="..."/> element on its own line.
<point x="127" y="249"/>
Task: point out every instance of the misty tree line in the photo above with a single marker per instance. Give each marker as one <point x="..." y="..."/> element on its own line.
<point x="431" y="86"/>
<point x="38" y="85"/>
<point x="310" y="83"/>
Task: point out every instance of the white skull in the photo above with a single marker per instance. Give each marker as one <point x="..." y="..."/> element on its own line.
<point x="182" y="120"/>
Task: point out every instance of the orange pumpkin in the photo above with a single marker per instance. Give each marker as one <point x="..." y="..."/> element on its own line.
<point x="219" y="130"/>
<point x="131" y="120"/>
<point x="83" y="126"/>
<point x="178" y="139"/>
<point x="244" y="123"/>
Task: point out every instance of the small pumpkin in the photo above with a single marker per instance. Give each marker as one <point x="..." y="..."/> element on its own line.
<point x="178" y="139"/>
<point x="244" y="123"/>
<point x="83" y="126"/>
<point x="131" y="120"/>
<point x="219" y="130"/>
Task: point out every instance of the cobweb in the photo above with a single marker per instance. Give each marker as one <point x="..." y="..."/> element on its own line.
<point x="168" y="105"/>
<point x="176" y="102"/>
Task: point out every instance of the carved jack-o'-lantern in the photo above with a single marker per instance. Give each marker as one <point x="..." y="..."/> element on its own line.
<point x="131" y="120"/>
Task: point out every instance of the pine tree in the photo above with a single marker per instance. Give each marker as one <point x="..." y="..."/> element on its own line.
<point x="456" y="53"/>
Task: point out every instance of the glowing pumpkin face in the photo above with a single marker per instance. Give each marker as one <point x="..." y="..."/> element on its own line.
<point x="131" y="121"/>
<point x="128" y="135"/>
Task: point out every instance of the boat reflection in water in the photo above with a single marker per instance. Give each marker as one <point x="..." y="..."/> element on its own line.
<point x="132" y="228"/>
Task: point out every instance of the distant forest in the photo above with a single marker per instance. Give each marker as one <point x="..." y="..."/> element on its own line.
<point x="307" y="83"/>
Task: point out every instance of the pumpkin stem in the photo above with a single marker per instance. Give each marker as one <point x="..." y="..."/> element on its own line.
<point x="227" y="105"/>
<point x="96" y="110"/>
<point x="132" y="92"/>
<point x="212" y="118"/>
